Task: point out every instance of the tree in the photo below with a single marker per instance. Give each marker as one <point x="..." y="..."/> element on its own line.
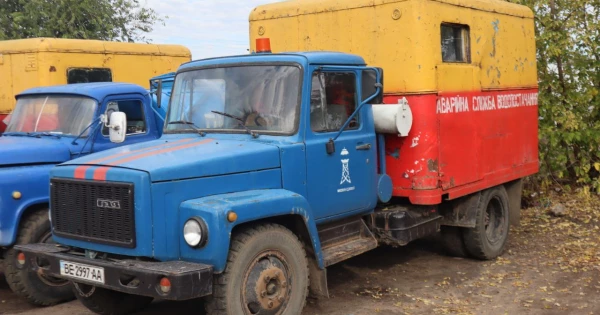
<point x="568" y="51"/>
<point x="115" y="20"/>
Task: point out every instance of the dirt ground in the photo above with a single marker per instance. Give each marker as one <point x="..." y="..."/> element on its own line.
<point x="551" y="266"/>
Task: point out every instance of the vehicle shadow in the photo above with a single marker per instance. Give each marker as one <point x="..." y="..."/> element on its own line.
<point x="338" y="276"/>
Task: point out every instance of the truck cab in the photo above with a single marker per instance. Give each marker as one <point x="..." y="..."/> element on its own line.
<point x="239" y="135"/>
<point x="49" y="126"/>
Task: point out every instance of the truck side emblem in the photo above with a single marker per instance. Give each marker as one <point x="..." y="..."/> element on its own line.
<point x="345" y="169"/>
<point x="108" y="204"/>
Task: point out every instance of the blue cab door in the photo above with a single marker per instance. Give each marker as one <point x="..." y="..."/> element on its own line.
<point x="141" y="125"/>
<point x="342" y="182"/>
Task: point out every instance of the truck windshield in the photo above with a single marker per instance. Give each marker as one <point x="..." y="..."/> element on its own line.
<point x="262" y="98"/>
<point x="62" y="115"/>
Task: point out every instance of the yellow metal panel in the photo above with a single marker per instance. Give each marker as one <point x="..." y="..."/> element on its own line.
<point x="457" y="78"/>
<point x="502" y="46"/>
<point x="404" y="38"/>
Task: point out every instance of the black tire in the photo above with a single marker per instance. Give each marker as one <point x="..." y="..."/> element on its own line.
<point x="452" y="240"/>
<point x="38" y="290"/>
<point x="109" y="302"/>
<point x="255" y="255"/>
<point x="488" y="238"/>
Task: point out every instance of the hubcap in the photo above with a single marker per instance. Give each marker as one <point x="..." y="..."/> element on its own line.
<point x="494" y="221"/>
<point x="266" y="289"/>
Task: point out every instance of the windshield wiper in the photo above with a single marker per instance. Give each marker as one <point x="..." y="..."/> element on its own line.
<point x="189" y="123"/>
<point x="240" y="122"/>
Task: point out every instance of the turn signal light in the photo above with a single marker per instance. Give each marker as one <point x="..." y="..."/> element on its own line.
<point x="231" y="216"/>
<point x="165" y="285"/>
<point x="21" y="258"/>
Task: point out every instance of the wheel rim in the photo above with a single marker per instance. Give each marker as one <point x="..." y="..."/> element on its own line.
<point x="48" y="280"/>
<point x="494" y="221"/>
<point x="267" y="284"/>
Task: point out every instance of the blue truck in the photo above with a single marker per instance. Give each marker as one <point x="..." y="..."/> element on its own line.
<point x="271" y="167"/>
<point x="52" y="125"/>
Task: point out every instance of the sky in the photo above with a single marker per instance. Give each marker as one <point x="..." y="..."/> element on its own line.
<point x="209" y="28"/>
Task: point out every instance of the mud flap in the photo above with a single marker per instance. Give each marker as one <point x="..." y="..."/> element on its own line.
<point x="318" y="280"/>
<point x="514" y="190"/>
<point x="461" y="212"/>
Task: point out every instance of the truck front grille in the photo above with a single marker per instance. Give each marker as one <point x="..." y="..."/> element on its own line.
<point x="99" y="212"/>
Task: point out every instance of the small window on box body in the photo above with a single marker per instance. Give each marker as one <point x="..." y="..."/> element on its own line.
<point x="455" y="43"/>
<point x="88" y="75"/>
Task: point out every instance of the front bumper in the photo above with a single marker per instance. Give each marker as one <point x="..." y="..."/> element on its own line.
<point x="188" y="280"/>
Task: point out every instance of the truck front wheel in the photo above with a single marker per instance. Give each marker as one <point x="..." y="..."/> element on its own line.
<point x="488" y="238"/>
<point x="108" y="302"/>
<point x="266" y="273"/>
<point x="37" y="289"/>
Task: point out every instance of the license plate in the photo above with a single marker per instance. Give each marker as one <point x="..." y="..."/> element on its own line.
<point x="82" y="271"/>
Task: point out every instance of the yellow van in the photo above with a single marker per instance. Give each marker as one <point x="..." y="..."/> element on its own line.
<point x="27" y="63"/>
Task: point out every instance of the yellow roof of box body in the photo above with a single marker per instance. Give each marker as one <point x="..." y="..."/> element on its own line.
<point x="300" y="7"/>
<point x="32" y="45"/>
<point x="404" y="38"/>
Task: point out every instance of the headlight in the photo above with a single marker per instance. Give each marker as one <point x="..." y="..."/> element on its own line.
<point x="195" y="232"/>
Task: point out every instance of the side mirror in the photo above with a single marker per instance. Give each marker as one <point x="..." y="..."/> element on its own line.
<point x="370" y="84"/>
<point x="117" y="127"/>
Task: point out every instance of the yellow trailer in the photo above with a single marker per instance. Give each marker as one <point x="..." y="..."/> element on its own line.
<point x="28" y="63"/>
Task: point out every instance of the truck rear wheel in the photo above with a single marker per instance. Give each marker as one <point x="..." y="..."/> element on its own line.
<point x="109" y="302"/>
<point x="266" y="273"/>
<point x="37" y="289"/>
<point x="488" y="238"/>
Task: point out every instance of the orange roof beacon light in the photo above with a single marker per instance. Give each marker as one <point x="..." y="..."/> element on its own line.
<point x="263" y="45"/>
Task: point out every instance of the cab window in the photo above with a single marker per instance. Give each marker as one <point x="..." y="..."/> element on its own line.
<point x="455" y="43"/>
<point x="134" y="110"/>
<point x="333" y="100"/>
<point x="87" y="75"/>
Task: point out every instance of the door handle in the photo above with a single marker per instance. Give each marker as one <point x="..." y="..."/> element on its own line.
<point x="366" y="146"/>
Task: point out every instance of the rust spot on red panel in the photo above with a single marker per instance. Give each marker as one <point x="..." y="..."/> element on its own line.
<point x="432" y="165"/>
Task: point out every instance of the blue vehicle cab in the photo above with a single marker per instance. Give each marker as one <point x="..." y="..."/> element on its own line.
<point x="264" y="152"/>
<point x="49" y="126"/>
